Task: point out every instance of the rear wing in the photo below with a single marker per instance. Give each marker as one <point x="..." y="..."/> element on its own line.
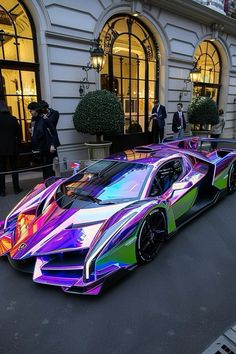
<point x="231" y="143"/>
<point x="203" y="144"/>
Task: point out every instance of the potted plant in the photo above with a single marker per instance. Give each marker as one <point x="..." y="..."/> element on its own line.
<point x="202" y="113"/>
<point x="99" y="113"/>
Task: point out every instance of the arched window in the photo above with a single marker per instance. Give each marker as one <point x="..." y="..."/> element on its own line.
<point x="208" y="60"/>
<point x="131" y="69"/>
<point x="19" y="69"/>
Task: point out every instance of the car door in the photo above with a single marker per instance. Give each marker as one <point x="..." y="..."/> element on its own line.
<point x="175" y="183"/>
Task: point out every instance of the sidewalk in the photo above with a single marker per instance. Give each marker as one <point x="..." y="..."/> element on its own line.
<point x="27" y="181"/>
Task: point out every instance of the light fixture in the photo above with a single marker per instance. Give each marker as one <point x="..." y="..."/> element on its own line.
<point x="97" y="62"/>
<point x="97" y="57"/>
<point x="195" y="74"/>
<point x="194" y="77"/>
<point x="136" y="8"/>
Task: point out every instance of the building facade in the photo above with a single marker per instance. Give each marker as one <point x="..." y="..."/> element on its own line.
<point x="150" y="48"/>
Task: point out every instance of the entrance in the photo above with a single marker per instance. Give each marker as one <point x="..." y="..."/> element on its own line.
<point x="131" y="71"/>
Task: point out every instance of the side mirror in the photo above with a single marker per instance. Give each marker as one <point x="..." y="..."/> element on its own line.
<point x="182" y="185"/>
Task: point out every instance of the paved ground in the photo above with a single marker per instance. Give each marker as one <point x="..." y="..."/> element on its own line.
<point x="178" y="304"/>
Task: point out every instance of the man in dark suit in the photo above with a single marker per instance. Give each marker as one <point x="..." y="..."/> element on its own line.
<point x="158" y="121"/>
<point x="10" y="134"/>
<point x="49" y="113"/>
<point x="44" y="139"/>
<point x="178" y="122"/>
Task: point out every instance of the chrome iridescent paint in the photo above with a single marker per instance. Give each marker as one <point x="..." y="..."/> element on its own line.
<point x="79" y="232"/>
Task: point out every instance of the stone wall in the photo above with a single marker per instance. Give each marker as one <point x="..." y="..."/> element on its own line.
<point x="66" y="29"/>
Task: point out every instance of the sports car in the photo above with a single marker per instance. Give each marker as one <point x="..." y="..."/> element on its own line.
<point x="83" y="232"/>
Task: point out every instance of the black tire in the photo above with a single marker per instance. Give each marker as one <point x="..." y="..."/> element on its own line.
<point x="151" y="236"/>
<point x="231" y="185"/>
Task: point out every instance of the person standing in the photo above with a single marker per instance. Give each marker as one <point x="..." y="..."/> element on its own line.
<point x="49" y="113"/>
<point x="44" y="139"/>
<point x="217" y="129"/>
<point x="179" y="122"/>
<point x="10" y="134"/>
<point x="158" y="121"/>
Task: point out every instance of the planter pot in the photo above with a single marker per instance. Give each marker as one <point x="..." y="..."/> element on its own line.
<point x="202" y="133"/>
<point x="98" y="151"/>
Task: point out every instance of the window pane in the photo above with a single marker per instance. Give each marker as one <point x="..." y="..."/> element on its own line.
<point x="141" y="88"/>
<point x="142" y="69"/>
<point x="116" y="65"/>
<point x="121" y="45"/>
<point x="137" y="49"/>
<point x="11" y="82"/>
<point x="152" y="70"/>
<point x="151" y="89"/>
<point x="135" y="68"/>
<point x="19" y="17"/>
<point x="14" y="104"/>
<point x="9" y="45"/>
<point x="6" y="23"/>
<point x="125" y="67"/>
<point x="26" y="50"/>
<point x="28" y="81"/>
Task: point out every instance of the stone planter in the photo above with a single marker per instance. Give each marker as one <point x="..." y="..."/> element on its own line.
<point x="97" y="151"/>
<point x="202" y="133"/>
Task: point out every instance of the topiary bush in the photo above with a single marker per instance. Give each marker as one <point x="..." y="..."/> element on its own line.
<point x="98" y="113"/>
<point x="203" y="110"/>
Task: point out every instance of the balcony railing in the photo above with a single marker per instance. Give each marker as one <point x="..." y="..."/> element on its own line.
<point x="230" y="8"/>
<point x="227" y="7"/>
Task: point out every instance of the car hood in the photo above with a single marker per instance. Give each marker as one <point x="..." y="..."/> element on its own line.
<point x="59" y="230"/>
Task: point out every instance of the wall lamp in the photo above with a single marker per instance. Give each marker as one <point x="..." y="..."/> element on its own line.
<point x="97" y="62"/>
<point x="194" y="77"/>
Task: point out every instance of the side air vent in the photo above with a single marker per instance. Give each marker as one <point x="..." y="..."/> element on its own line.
<point x="145" y="149"/>
<point x="223" y="153"/>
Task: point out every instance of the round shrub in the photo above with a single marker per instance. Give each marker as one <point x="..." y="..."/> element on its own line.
<point x="203" y="110"/>
<point x="99" y="113"/>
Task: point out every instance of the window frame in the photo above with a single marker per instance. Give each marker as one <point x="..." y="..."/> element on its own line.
<point x="22" y="66"/>
<point x="154" y="56"/>
<point x="203" y="85"/>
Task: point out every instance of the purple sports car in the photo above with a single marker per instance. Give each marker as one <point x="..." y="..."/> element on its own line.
<point x="83" y="232"/>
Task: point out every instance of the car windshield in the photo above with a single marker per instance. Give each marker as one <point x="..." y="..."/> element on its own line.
<point x="107" y="182"/>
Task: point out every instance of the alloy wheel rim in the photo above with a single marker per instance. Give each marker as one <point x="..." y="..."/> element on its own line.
<point x="232" y="178"/>
<point x="152" y="236"/>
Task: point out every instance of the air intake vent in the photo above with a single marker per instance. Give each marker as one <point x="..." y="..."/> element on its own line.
<point x="146" y="149"/>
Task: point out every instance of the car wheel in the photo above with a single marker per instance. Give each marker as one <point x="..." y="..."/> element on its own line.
<point x="151" y="236"/>
<point x="232" y="178"/>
